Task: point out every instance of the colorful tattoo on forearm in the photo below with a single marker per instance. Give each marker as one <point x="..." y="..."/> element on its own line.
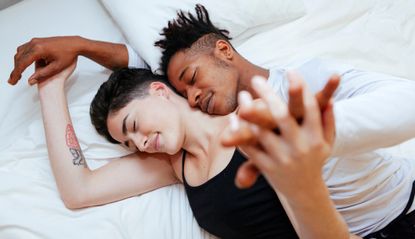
<point x="74" y="148"/>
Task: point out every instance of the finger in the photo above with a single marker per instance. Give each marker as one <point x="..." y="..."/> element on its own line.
<point x="295" y="102"/>
<point x="21" y="63"/>
<point x="277" y="107"/>
<point x="272" y="145"/>
<point x="313" y="118"/>
<point x="43" y="71"/>
<point x="329" y="127"/>
<point x="255" y="111"/>
<point x="238" y="133"/>
<point x="258" y="157"/>
<point x="246" y="175"/>
<point x="324" y="96"/>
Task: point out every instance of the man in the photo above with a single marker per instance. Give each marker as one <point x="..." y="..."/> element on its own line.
<point x="203" y="66"/>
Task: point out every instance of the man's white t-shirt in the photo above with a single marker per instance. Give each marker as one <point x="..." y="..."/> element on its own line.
<point x="369" y="186"/>
<point x="134" y="60"/>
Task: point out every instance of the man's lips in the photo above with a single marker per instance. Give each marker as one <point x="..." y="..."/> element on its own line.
<point x="207" y="103"/>
<point x="211" y="104"/>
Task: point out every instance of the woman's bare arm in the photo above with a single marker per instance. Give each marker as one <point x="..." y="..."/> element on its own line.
<point x="78" y="185"/>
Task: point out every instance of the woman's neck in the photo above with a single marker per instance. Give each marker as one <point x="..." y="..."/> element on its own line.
<point x="202" y="132"/>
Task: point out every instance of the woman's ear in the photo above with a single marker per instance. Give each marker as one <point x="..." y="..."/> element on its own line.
<point x="159" y="89"/>
<point x="224" y="50"/>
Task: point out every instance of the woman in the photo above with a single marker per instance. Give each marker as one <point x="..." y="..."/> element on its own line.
<point x="144" y="114"/>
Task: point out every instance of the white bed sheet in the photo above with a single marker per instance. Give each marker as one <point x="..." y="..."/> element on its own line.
<point x="370" y="34"/>
<point x="375" y="35"/>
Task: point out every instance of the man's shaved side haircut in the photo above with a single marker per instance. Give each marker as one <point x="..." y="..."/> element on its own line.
<point x="188" y="31"/>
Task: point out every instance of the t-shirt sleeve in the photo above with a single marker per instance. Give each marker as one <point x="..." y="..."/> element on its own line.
<point x="134" y="60"/>
<point x="376" y="111"/>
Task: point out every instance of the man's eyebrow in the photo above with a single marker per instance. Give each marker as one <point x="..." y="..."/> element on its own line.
<point x="124" y="127"/>
<point x="182" y="74"/>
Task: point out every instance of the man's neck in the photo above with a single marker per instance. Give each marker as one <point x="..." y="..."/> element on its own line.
<point x="247" y="72"/>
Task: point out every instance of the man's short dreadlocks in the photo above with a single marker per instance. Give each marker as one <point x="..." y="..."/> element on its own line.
<point x="182" y="32"/>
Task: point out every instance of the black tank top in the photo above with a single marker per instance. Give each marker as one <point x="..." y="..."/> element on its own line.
<point x="228" y="212"/>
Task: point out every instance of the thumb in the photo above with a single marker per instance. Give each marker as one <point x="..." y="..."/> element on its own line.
<point x="246" y="175"/>
<point x="42" y="73"/>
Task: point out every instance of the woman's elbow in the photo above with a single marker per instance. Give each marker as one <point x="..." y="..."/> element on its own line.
<point x="74" y="201"/>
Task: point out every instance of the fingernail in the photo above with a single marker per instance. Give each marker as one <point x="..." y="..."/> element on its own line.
<point x="292" y="79"/>
<point x="254" y="129"/>
<point x="291" y="74"/>
<point x="258" y="81"/>
<point x="234" y="123"/>
<point x="245" y="98"/>
<point x="32" y="81"/>
<point x="238" y="184"/>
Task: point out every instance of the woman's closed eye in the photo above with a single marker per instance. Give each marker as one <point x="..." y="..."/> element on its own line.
<point x="133" y="127"/>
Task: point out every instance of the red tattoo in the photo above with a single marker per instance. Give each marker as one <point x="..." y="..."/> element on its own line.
<point x="74" y="147"/>
<point x="71" y="140"/>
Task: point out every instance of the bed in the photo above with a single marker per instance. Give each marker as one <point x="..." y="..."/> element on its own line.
<point x="376" y="35"/>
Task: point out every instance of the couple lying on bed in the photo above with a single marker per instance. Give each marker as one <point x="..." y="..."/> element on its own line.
<point x="313" y="166"/>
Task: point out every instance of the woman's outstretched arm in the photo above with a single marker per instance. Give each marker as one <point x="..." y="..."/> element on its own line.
<point x="78" y="185"/>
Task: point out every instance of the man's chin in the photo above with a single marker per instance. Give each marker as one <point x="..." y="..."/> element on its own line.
<point x="225" y="111"/>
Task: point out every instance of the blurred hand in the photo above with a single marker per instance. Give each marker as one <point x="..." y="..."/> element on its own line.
<point x="255" y="111"/>
<point x="54" y="54"/>
<point x="258" y="113"/>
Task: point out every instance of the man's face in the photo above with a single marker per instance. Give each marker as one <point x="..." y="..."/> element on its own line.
<point x="206" y="80"/>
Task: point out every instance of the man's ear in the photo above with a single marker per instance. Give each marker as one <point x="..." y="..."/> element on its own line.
<point x="159" y="89"/>
<point x="224" y="50"/>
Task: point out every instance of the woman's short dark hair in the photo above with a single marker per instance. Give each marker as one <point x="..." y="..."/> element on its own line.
<point x="185" y="30"/>
<point x="123" y="86"/>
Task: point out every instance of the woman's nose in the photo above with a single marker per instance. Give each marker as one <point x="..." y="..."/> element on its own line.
<point x="140" y="141"/>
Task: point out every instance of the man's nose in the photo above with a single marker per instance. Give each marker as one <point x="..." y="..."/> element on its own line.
<point x="193" y="96"/>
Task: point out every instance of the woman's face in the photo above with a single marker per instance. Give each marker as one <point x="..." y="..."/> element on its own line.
<point x="151" y="124"/>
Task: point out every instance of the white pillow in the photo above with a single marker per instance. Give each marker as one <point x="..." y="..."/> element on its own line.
<point x="142" y="21"/>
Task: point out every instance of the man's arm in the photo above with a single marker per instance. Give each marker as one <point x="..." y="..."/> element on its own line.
<point x="379" y="115"/>
<point x="57" y="53"/>
<point x="78" y="185"/>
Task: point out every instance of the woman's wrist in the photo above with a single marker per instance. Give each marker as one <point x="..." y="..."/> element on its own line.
<point x="51" y="88"/>
<point x="307" y="196"/>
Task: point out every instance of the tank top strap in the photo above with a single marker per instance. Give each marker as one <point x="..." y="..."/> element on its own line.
<point x="183" y="159"/>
